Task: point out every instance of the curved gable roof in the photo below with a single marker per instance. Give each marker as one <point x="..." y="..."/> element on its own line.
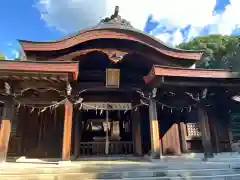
<point x="111" y="28"/>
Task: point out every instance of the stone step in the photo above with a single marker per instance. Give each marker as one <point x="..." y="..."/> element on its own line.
<point x="77" y="176"/>
<point x="104" y="170"/>
<point x="111" y="171"/>
<point x="74" y="168"/>
<point x="117" y="174"/>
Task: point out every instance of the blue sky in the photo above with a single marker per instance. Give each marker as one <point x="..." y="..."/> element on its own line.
<point x="172" y="21"/>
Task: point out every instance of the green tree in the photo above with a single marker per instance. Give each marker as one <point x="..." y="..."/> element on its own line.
<point x="2" y="56"/>
<point x="221" y="52"/>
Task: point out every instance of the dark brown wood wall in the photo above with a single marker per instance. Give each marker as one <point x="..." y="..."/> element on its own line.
<point x="38" y="134"/>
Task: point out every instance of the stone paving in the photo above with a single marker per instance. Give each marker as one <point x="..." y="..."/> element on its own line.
<point x="221" y="167"/>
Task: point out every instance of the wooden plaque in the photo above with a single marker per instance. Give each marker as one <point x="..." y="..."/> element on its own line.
<point x="112" y="78"/>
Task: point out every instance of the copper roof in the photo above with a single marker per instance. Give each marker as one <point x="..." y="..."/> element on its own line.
<point x="111" y="28"/>
<point x="186" y="72"/>
<point x="41" y="67"/>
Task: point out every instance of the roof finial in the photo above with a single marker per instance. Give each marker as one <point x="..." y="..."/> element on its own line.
<point x="116" y="11"/>
<point x="116" y="19"/>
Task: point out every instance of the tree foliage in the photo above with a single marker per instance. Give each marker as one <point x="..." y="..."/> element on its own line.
<point x="221" y="52"/>
<point x="1" y="56"/>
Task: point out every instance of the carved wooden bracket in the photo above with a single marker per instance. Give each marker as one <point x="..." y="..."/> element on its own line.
<point x="114" y="55"/>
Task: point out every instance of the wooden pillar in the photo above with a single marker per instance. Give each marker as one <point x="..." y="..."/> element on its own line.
<point x="5" y="129"/>
<point x="154" y="130"/>
<point x="213" y="126"/>
<point x="136" y="132"/>
<point x="183" y="132"/>
<point x="107" y="133"/>
<point x="205" y="132"/>
<point x="77" y="134"/>
<point x="67" y="132"/>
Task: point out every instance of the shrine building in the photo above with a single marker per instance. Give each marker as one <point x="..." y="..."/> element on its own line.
<point x="114" y="90"/>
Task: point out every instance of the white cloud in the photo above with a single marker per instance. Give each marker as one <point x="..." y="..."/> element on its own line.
<point x="9" y="44"/>
<point x="77" y="14"/>
<point x="6" y="58"/>
<point x="15" y="54"/>
<point x="72" y="15"/>
<point x="229" y="20"/>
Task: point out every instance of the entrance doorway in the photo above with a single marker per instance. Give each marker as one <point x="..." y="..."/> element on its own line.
<point x="106" y="131"/>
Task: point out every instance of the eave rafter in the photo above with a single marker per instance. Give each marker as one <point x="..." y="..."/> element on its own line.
<point x="52" y="78"/>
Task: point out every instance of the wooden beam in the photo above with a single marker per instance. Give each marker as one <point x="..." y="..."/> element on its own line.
<point x="154" y="130"/>
<point x="67" y="132"/>
<point x="205" y="132"/>
<point x="5" y="129"/>
<point x="34" y="83"/>
<point x="195" y="83"/>
<point x="101" y="86"/>
<point x="39" y="101"/>
<point x="26" y="78"/>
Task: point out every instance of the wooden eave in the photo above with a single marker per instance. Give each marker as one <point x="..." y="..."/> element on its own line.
<point x="161" y="75"/>
<point x="111" y="33"/>
<point x="38" y="70"/>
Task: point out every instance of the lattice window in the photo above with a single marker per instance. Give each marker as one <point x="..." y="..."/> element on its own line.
<point x="112" y="78"/>
<point x="193" y="129"/>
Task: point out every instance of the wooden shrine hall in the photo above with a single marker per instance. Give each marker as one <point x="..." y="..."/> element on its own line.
<point x="114" y="90"/>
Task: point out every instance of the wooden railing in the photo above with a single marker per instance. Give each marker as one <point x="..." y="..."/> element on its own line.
<point x="98" y="148"/>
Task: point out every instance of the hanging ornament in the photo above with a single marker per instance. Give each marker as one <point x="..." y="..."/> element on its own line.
<point x="190" y="108"/>
<point x="32" y="110"/>
<point x="44" y="109"/>
<point x="171" y="110"/>
<point x="204" y="93"/>
<point x="80" y="107"/>
<point x="198" y="96"/>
